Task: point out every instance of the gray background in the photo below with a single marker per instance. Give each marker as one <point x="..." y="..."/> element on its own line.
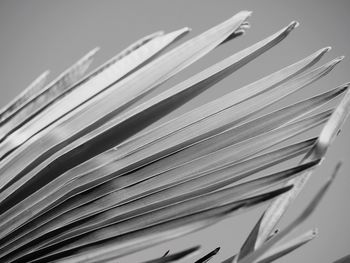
<point x="39" y="35"/>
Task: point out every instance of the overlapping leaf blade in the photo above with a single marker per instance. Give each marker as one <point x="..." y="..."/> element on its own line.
<point x="297" y="129"/>
<point x="186" y="190"/>
<point x="275" y="211"/>
<point x="108" y="104"/>
<point x="79" y="183"/>
<point x="83" y="181"/>
<point x="125" y="212"/>
<point x="288" y="247"/>
<point x="24" y="96"/>
<point x="267" y="245"/>
<point x="235" y="61"/>
<point x="98" y="81"/>
<point x="38" y="102"/>
<point x="147" y="236"/>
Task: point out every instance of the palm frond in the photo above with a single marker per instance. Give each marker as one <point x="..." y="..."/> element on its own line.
<point x="84" y="178"/>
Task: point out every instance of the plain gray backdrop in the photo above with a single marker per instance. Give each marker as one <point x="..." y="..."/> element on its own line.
<point x="44" y="34"/>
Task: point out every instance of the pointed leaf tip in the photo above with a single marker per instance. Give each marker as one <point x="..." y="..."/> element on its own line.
<point x="45" y="73"/>
<point x="180" y="32"/>
<point x="244" y="14"/>
<point x="184" y="30"/>
<point x="274" y="193"/>
<point x="239" y="32"/>
<point x="343" y="88"/>
<point x="313" y="163"/>
<point x="292" y="25"/>
<point x="239" y="18"/>
<point x="340" y="58"/>
<point x="319" y="53"/>
<point x="208" y="256"/>
<point x="93" y="51"/>
<point x="334" y="62"/>
<point x="329" y="48"/>
<point x="187" y="29"/>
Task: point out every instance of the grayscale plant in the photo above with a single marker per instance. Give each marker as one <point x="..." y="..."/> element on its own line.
<point x="84" y="178"/>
